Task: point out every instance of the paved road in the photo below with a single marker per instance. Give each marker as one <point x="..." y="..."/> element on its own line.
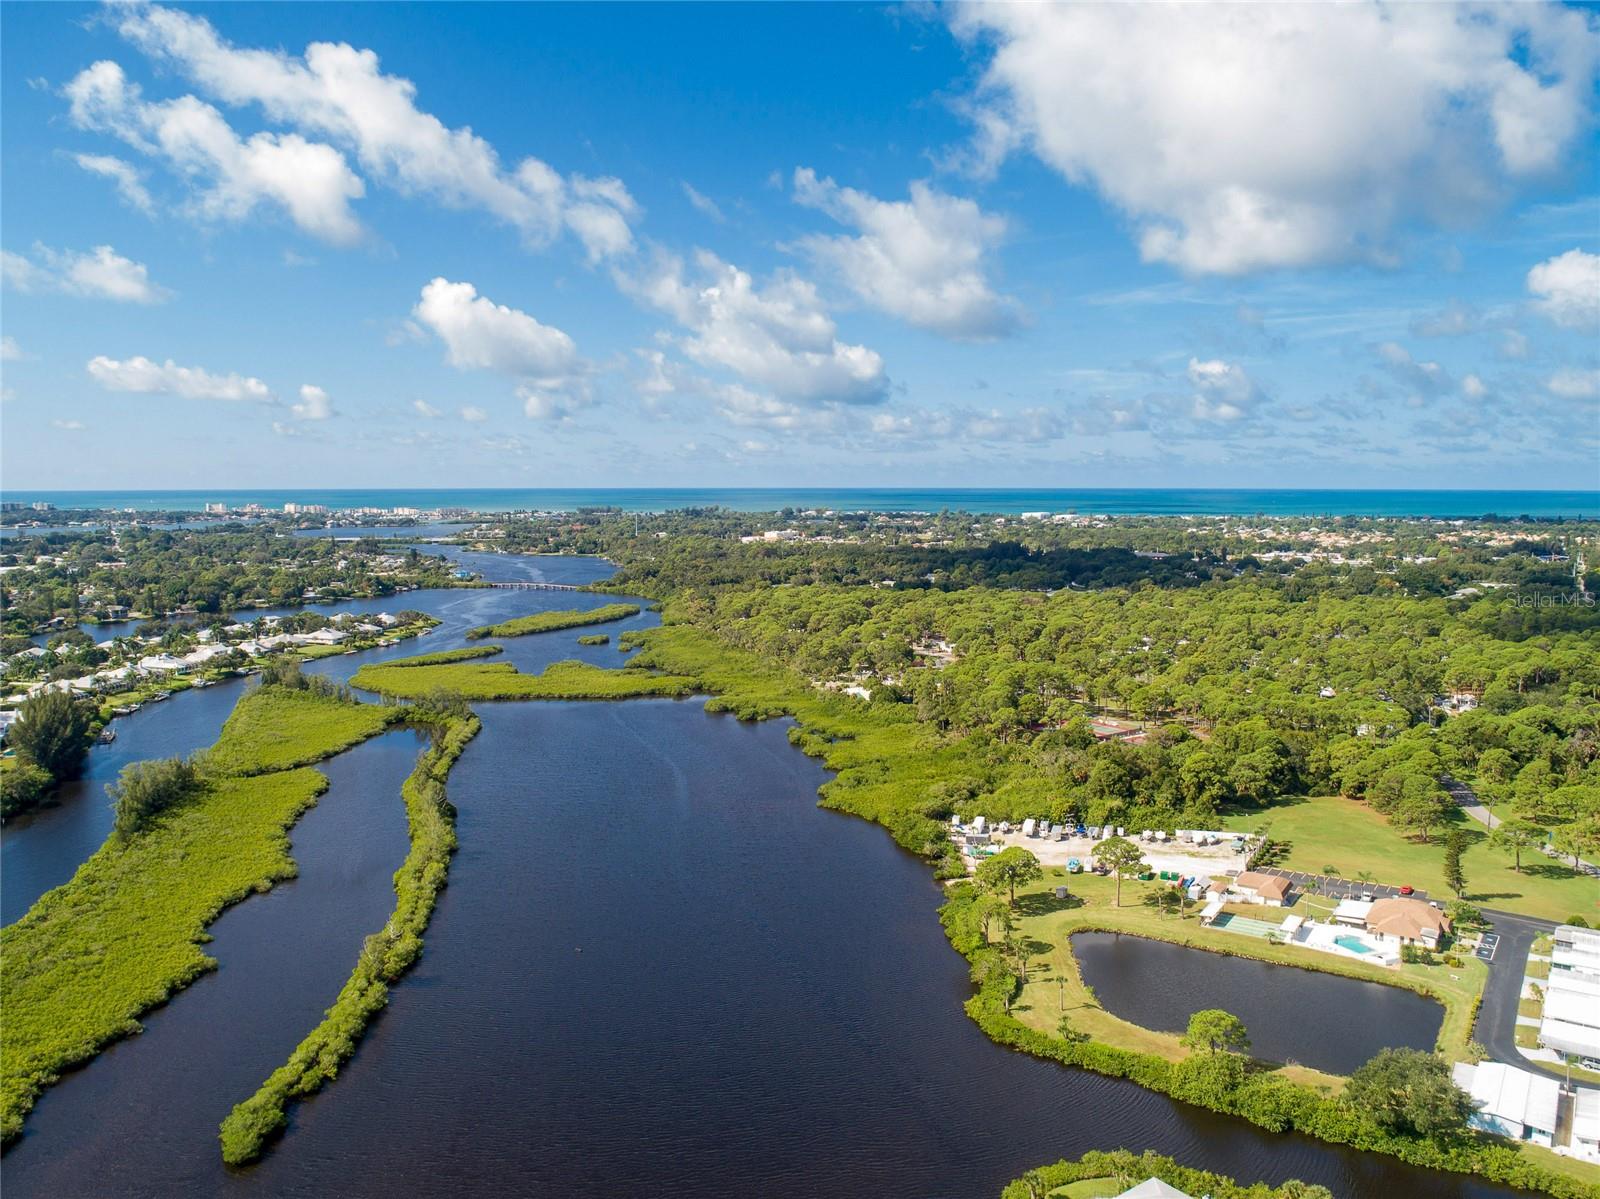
<point x="1505" y="950"/>
<point x="1468" y="802"/>
<point x="1496" y="1029"/>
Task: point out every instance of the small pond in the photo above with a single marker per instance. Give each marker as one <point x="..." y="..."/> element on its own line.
<point x="1326" y="1021"/>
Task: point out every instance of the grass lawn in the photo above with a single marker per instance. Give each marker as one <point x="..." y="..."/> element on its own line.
<point x="1538" y="970"/>
<point x="1527" y="1036"/>
<point x="1089" y="1188"/>
<point x="1530" y="1007"/>
<point x="1046" y="924"/>
<point x="1350" y="837"/>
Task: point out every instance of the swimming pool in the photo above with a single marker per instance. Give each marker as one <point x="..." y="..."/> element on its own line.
<point x="1353" y="944"/>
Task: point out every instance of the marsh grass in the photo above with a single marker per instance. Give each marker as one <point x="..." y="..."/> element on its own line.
<point x="547" y="622"/>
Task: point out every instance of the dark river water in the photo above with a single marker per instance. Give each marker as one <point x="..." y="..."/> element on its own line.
<point x="1318" y="1020"/>
<point x="659" y="968"/>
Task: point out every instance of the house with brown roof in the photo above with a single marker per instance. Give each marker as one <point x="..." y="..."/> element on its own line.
<point x="1254" y="887"/>
<point x="1408" y="921"/>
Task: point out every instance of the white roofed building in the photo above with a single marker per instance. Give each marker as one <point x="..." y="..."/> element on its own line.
<point x="1510" y="1102"/>
<point x="1570" y="1021"/>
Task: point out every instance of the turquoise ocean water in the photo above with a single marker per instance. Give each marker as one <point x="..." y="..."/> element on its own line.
<point x="1111" y="501"/>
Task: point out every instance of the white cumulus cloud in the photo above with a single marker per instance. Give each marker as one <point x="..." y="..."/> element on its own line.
<point x="1223" y="391"/>
<point x="309" y="180"/>
<point x="1241" y="138"/>
<point x="100" y="273"/>
<point x="481" y="335"/>
<point x="778" y="336"/>
<point x="1567" y="290"/>
<point x="922" y="259"/>
<point x="140" y="374"/>
<point x="339" y="92"/>
<point x="314" y="404"/>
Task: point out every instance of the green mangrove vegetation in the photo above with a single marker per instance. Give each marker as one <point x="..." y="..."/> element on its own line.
<point x="502" y="680"/>
<point x="446" y="656"/>
<point x="548" y="622"/>
<point x="386" y="954"/>
<point x="595" y="639"/>
<point x="1099" y="1175"/>
<point x="275" y="727"/>
<point x="126" y="931"/>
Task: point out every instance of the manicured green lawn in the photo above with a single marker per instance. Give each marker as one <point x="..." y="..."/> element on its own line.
<point x="1054" y="985"/>
<point x="1090" y="1188"/>
<point x="1350" y="837"/>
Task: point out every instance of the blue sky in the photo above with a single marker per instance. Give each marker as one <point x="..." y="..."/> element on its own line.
<point x="545" y="245"/>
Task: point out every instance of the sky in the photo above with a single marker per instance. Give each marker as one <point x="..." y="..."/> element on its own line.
<point x="606" y="245"/>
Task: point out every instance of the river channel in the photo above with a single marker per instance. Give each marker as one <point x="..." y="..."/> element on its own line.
<point x="659" y="968"/>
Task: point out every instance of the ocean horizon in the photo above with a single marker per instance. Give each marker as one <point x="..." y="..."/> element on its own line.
<point x="1142" y="501"/>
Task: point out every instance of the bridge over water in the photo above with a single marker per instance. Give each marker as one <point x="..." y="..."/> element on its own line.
<point x="522" y="586"/>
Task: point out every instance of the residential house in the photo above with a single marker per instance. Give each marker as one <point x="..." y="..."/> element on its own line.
<point x="1407" y="922"/>
<point x="1254" y="887"/>
<point x="1510" y="1102"/>
<point x="1154" y="1188"/>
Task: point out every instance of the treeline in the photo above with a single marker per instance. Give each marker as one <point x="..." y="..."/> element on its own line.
<point x="701" y="547"/>
<point x="51" y="737"/>
<point x="214" y="570"/>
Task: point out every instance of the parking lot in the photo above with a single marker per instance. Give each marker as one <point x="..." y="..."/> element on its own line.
<point x="1341" y="888"/>
<point x="1172" y="855"/>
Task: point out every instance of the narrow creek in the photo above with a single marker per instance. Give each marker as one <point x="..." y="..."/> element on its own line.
<point x="141" y="1119"/>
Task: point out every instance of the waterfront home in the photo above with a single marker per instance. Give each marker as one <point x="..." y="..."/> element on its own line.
<point x="1570" y="1021"/>
<point x="1154" y="1188"/>
<point x="1407" y="922"/>
<point x="1510" y="1102"/>
<point x="1254" y="887"/>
